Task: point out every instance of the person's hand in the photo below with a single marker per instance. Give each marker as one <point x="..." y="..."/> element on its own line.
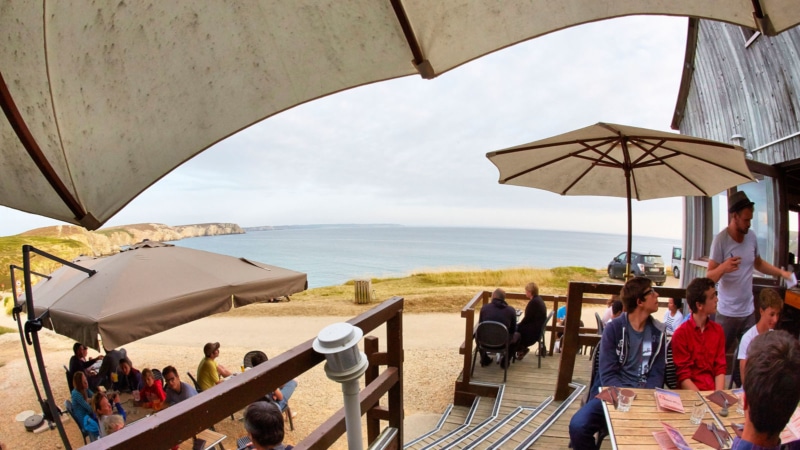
<point x="731" y="264"/>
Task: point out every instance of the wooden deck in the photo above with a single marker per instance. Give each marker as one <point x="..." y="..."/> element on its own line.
<point x="528" y="387"/>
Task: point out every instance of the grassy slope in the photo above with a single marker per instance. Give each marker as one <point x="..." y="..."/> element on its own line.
<point x="11" y="253"/>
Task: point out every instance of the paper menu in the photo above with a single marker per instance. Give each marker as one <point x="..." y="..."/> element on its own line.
<point x="668" y="400"/>
<point x="792" y="430"/>
<point x="670" y="438"/>
<point x="791" y="282"/>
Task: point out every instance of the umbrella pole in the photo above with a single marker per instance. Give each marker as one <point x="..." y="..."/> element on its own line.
<point x="16" y="314"/>
<point x="32" y="327"/>
<point x="630" y="220"/>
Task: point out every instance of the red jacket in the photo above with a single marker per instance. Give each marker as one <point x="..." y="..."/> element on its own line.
<point x="154" y="393"/>
<point x="699" y="355"/>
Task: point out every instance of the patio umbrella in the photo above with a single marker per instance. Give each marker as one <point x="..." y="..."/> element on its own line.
<point x="102" y="99"/>
<point x="150" y="288"/>
<point x="623" y="161"/>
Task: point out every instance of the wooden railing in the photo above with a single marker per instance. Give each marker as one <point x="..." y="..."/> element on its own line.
<point x="189" y="417"/>
<point x="465" y="391"/>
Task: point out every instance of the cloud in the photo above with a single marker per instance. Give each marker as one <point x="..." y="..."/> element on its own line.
<point x="412" y="151"/>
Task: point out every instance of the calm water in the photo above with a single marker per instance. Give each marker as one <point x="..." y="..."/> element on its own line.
<point x="333" y="256"/>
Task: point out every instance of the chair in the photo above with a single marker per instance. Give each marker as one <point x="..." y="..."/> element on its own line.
<point x="87" y="438"/>
<point x="492" y="337"/>
<point x="248" y="357"/>
<point x="194" y="382"/>
<point x="600" y="325"/>
<point x="736" y="376"/>
<point x="670" y="373"/>
<point x="69" y="379"/>
<point x="158" y="376"/>
<point x="542" y="346"/>
<point x="591" y="392"/>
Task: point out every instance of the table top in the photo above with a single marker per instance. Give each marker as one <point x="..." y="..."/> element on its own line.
<point x="212" y="438"/>
<point x="634" y="429"/>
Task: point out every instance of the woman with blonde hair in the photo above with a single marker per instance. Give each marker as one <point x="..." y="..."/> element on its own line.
<point x="152" y="390"/>
<point x="101" y="405"/>
<point x="80" y="396"/>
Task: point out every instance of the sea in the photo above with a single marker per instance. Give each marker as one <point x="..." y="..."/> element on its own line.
<point x="333" y="255"/>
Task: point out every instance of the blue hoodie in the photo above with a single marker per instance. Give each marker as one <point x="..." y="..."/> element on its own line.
<point x="614" y="353"/>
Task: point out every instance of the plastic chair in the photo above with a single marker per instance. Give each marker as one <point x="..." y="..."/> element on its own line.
<point x="87" y="438"/>
<point x="670" y="372"/>
<point x="158" y="376"/>
<point x="69" y="379"/>
<point x="194" y="382"/>
<point x="248" y="357"/>
<point x="600" y="325"/>
<point x="542" y="345"/>
<point x="492" y="338"/>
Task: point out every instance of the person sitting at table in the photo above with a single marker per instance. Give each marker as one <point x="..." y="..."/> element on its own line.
<point x="673" y="317"/>
<point x="110" y="366"/>
<point x="770" y="305"/>
<point x="177" y="391"/>
<point x="263" y="422"/>
<point x="499" y="311"/>
<point x="632" y="354"/>
<point x="81" y="395"/>
<point x="101" y="408"/>
<point x="152" y="391"/>
<point x="698" y="346"/>
<point x="530" y="327"/>
<point x="79" y="362"/>
<point x="210" y="372"/>
<point x="281" y="395"/>
<point x="128" y="378"/>
<point x="112" y="423"/>
<point x="771" y="390"/>
<point x="616" y="310"/>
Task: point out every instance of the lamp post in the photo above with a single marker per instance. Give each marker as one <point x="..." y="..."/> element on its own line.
<point x="345" y="364"/>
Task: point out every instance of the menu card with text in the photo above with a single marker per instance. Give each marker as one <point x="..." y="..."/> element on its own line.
<point x="668" y="400"/>
<point x="670" y="438"/>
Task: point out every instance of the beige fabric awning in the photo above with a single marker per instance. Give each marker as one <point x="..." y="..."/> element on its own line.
<point x="152" y="288"/>
<point x="102" y="99"/>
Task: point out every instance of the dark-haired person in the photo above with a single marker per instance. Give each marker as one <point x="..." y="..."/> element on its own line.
<point x="281" y="395"/>
<point x="734" y="256"/>
<point x="616" y="310"/>
<point x="770" y="305"/>
<point x="530" y="327"/>
<point x="499" y="311"/>
<point x="128" y="378"/>
<point x="632" y="354"/>
<point x="698" y="346"/>
<point x="673" y="316"/>
<point x="771" y="390"/>
<point x="263" y="422"/>
<point x="79" y="362"/>
<point x="177" y="390"/>
<point x="110" y="365"/>
<point x="210" y="373"/>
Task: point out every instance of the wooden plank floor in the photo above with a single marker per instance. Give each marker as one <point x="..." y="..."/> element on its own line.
<point x="527" y="386"/>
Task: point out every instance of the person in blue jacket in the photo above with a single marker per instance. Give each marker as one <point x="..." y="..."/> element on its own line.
<point x="632" y="354"/>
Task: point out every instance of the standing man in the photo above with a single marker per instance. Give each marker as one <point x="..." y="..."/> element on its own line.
<point x="209" y="372"/>
<point x="499" y="311"/>
<point x="632" y="354"/>
<point x="734" y="255"/>
<point x="698" y="346"/>
<point x="177" y="391"/>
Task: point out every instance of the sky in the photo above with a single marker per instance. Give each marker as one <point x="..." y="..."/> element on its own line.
<point x="412" y="152"/>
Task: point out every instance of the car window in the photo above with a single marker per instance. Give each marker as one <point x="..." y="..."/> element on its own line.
<point x="622" y="257"/>
<point x="653" y="259"/>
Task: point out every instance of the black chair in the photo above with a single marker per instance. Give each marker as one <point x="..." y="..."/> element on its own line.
<point x="670" y="372"/>
<point x="736" y="377"/>
<point x="248" y="357"/>
<point x="492" y="338"/>
<point x="542" y="346"/>
<point x="69" y="379"/>
<point x="600" y="325"/>
<point x="158" y="376"/>
<point x="87" y="438"/>
<point x="194" y="382"/>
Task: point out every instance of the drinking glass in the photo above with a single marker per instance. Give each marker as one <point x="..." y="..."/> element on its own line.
<point x="625" y="398"/>
<point x="740" y="402"/>
<point x="698" y="411"/>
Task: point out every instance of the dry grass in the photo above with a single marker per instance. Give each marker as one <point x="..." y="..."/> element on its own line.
<point x="427" y="292"/>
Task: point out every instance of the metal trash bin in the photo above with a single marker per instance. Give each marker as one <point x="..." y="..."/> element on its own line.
<point x="363" y="291"/>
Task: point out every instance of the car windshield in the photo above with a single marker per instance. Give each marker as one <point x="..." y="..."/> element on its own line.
<point x="653" y="259"/>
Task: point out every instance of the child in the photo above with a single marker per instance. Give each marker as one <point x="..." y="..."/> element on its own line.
<point x="770" y="306"/>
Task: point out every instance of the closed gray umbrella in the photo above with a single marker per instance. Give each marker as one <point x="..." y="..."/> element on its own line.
<point x="622" y="161"/>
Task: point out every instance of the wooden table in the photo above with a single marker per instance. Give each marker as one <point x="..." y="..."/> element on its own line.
<point x="212" y="438"/>
<point x="634" y="429"/>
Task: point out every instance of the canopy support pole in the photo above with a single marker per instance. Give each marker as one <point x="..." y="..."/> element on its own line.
<point x="16" y="314"/>
<point x="626" y="167"/>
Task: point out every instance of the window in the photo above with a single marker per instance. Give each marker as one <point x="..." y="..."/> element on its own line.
<point x="762" y="192"/>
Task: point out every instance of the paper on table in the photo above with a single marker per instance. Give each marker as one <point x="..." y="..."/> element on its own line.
<point x="668" y="400"/>
<point x="791" y="282"/>
<point x="673" y="435"/>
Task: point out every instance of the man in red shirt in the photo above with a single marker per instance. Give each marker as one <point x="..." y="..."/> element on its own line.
<point x="698" y="346"/>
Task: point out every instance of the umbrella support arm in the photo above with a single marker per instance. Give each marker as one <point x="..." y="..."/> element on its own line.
<point x="30" y="248"/>
<point x="32" y="327"/>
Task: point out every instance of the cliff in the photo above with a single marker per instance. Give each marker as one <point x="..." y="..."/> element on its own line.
<point x="107" y="241"/>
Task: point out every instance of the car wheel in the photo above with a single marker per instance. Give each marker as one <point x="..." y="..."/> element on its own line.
<point x="660" y="284"/>
<point x="676" y="272"/>
<point x="610" y="274"/>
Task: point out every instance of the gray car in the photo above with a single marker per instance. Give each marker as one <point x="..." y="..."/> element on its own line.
<point x="642" y="265"/>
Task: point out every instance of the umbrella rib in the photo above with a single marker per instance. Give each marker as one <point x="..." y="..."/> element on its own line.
<point x="575" y="154"/>
<point x="422" y="65"/>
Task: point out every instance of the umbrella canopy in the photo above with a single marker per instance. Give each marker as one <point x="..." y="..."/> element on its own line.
<point x="102" y="99"/>
<point x="622" y="161"/>
<point x="151" y="288"/>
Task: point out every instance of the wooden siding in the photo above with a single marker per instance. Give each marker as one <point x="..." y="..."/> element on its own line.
<point x="752" y="91"/>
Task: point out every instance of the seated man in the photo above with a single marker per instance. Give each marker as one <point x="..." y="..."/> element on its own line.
<point x="209" y="372"/>
<point x="770" y="305"/>
<point x="128" y="378"/>
<point x="632" y="354"/>
<point x="698" y="346"/>
<point x="281" y="395"/>
<point x="264" y="424"/>
<point x="177" y="390"/>
<point x="79" y="362"/>
<point x="771" y="390"/>
<point x="499" y="311"/>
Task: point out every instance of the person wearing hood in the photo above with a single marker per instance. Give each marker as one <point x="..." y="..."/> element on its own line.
<point x="632" y="355"/>
<point x="499" y="311"/>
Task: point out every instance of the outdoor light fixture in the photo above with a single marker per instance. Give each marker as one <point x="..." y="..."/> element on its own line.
<point x="738" y="140"/>
<point x="345" y="364"/>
